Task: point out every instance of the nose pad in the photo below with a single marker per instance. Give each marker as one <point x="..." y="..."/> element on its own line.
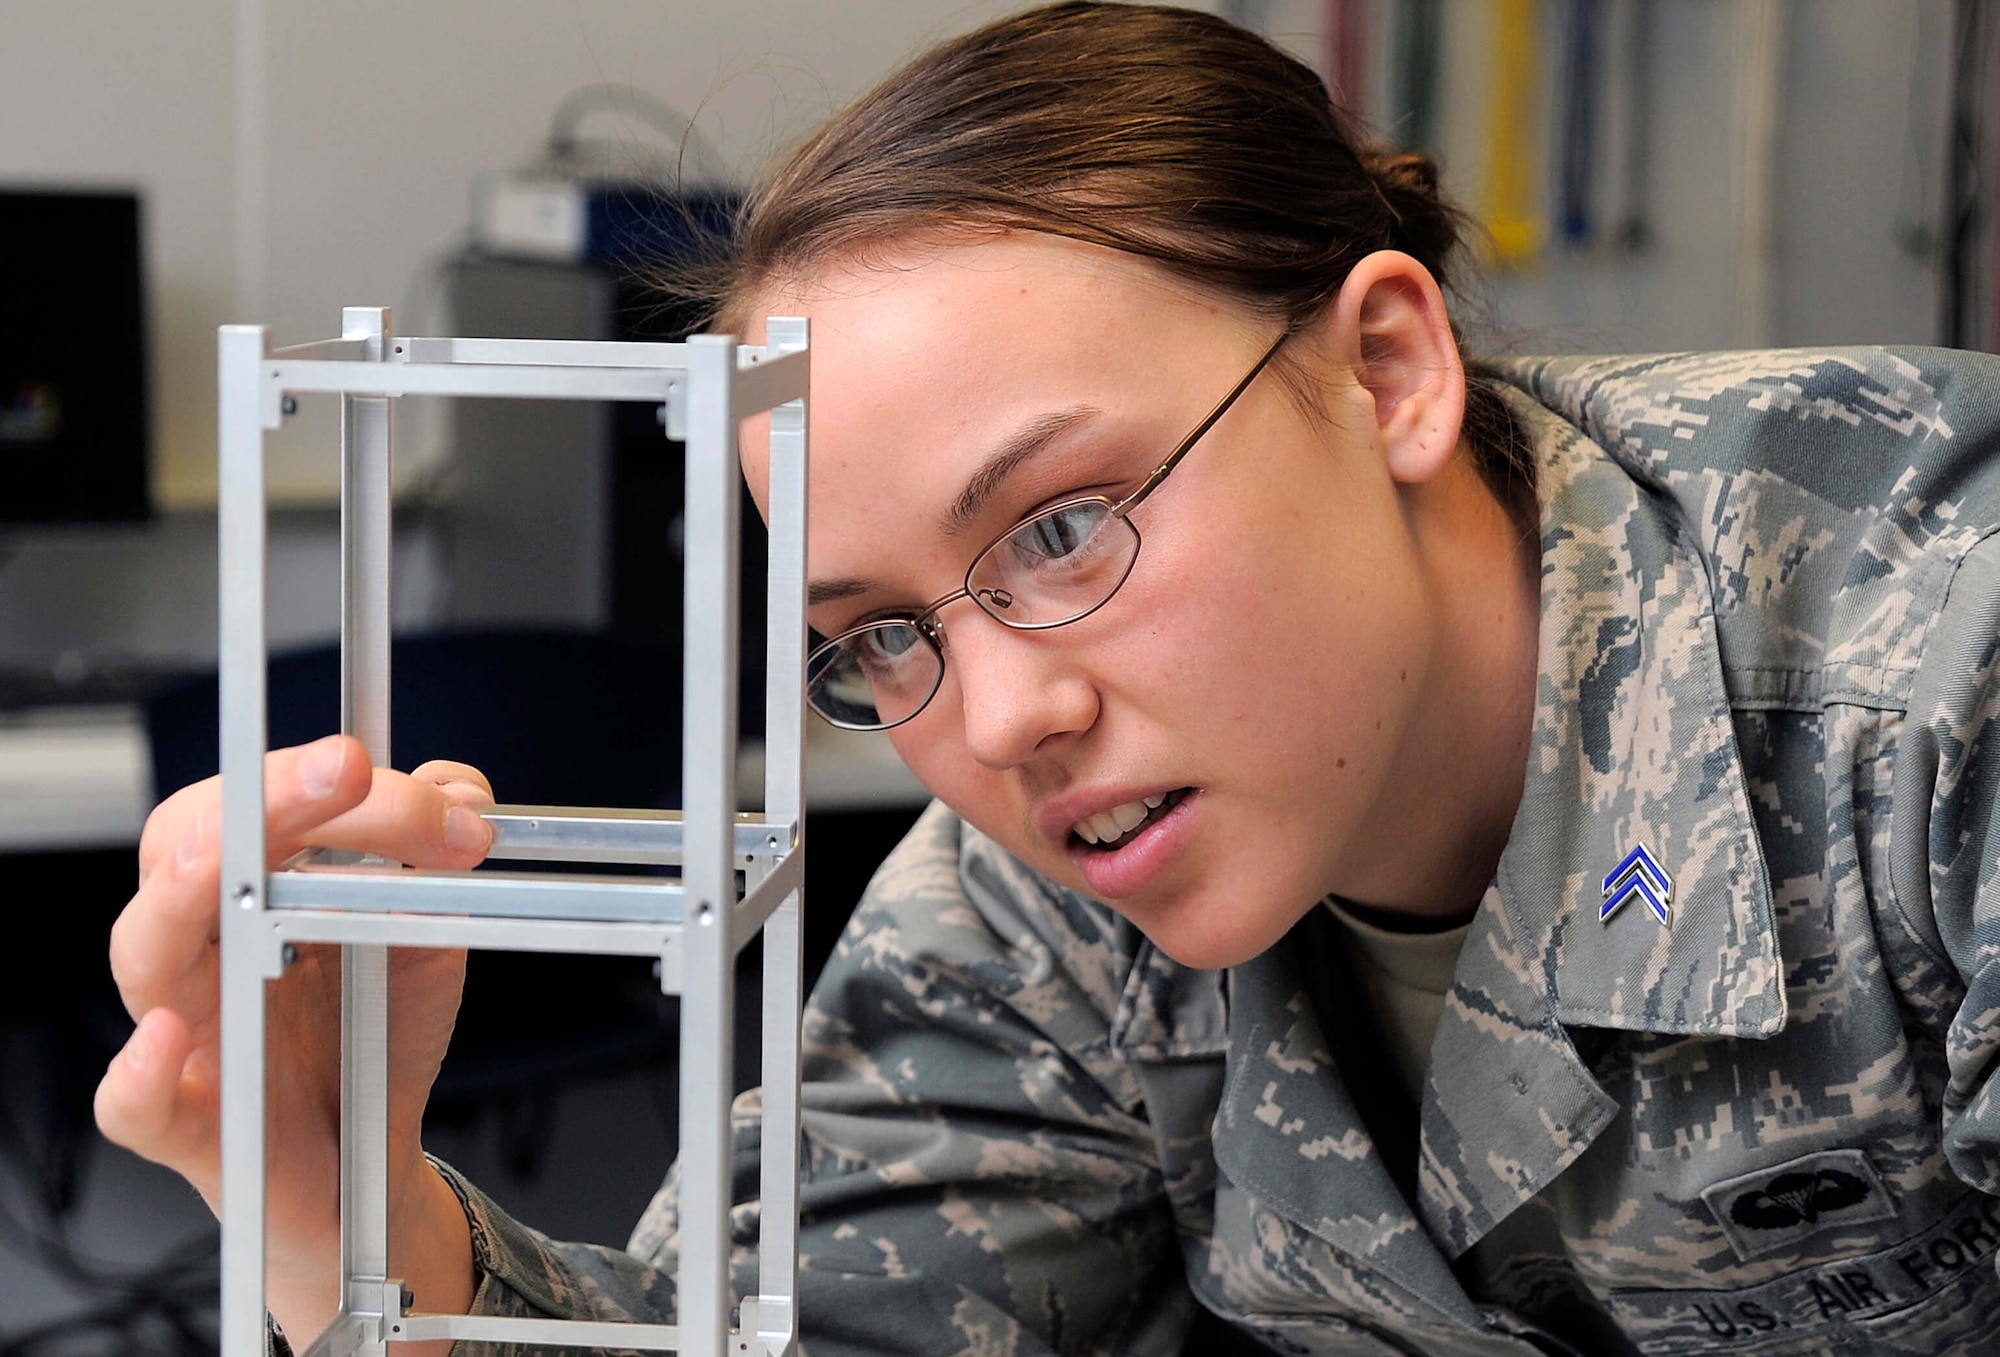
<point x="995" y="601"/>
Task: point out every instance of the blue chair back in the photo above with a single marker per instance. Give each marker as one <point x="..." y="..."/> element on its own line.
<point x="551" y="717"/>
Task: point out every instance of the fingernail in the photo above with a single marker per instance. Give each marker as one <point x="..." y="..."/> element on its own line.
<point x="138" y="1050"/>
<point x="465" y="832"/>
<point x="189" y="852"/>
<point x="319" y="766"/>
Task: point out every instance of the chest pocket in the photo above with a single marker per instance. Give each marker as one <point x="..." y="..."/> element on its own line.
<point x="1330" y="1336"/>
<point x="1933" y="1294"/>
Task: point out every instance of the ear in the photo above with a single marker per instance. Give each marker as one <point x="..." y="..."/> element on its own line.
<point x="1390" y="329"/>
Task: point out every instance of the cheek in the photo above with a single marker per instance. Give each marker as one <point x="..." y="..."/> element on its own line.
<point x="1275" y="642"/>
<point x="992" y="801"/>
<point x="1222" y="610"/>
<point x="938" y="765"/>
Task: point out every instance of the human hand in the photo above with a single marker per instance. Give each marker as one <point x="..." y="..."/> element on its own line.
<point x="160" y="1096"/>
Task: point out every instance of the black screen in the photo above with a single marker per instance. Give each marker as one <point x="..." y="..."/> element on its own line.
<point x="73" y="426"/>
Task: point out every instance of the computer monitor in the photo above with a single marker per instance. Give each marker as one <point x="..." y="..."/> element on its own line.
<point x="74" y="430"/>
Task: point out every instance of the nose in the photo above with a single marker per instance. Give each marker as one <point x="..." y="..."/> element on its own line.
<point x="1017" y="690"/>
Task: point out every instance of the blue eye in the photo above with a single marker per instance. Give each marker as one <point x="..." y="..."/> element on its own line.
<point x="887" y="644"/>
<point x="1059" y="533"/>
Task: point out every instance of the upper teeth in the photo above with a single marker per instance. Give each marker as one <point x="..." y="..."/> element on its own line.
<point x="1107" y="825"/>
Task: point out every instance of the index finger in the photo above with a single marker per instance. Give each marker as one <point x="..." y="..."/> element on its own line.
<point x="303" y="786"/>
<point x="168" y="930"/>
<point x="460" y="781"/>
<point x="411" y="820"/>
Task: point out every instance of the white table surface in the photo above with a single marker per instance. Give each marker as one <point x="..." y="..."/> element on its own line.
<point x="73" y="777"/>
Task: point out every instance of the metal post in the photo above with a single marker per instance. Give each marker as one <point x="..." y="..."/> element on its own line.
<point x="242" y="533"/>
<point x="784" y="799"/>
<point x="365" y="527"/>
<point x="692" y="925"/>
<point x="708" y="806"/>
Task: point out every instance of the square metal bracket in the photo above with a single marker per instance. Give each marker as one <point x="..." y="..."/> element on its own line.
<point x="694" y="925"/>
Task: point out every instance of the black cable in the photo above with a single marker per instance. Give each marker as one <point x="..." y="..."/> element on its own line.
<point x="168" y="1306"/>
<point x="180" y="1292"/>
<point x="1915" y="229"/>
<point x="185" y="1332"/>
<point x="1579" y="121"/>
<point x="568" y="154"/>
<point x="635" y="103"/>
<point x="1634" y="230"/>
<point x="1964" y="177"/>
<point x="1419" y="39"/>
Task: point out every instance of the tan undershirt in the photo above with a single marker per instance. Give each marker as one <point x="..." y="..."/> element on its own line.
<point x="1406" y="976"/>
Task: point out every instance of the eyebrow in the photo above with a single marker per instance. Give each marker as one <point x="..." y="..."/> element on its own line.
<point x="1030" y="440"/>
<point x="1025" y="443"/>
<point x="832" y="591"/>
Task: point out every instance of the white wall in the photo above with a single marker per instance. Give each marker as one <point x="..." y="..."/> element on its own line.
<point x="1859" y="148"/>
<point x="120" y="92"/>
<point x="381" y="111"/>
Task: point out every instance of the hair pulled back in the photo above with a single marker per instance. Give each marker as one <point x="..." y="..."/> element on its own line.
<point x="1162" y="132"/>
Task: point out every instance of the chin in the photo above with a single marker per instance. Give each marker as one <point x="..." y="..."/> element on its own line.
<point x="1212" y="937"/>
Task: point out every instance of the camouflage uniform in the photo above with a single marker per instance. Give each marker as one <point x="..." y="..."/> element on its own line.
<point x="1769" y="604"/>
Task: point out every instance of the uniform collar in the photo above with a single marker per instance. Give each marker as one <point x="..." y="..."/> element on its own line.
<point x="1633" y="744"/>
<point x="1634" y="747"/>
<point x="1289" y="1135"/>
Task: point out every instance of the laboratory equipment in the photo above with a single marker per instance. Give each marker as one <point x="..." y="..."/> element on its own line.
<point x="694" y="925"/>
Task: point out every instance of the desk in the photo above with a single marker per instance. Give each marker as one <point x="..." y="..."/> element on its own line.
<point x="73" y="778"/>
<point x="846" y="770"/>
<point x="82" y="777"/>
<point x="76" y="785"/>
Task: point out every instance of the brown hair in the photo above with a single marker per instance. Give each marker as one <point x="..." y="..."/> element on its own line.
<point x="1162" y="132"/>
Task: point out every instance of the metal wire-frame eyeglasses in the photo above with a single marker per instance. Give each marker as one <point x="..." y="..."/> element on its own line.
<point x="1055" y="567"/>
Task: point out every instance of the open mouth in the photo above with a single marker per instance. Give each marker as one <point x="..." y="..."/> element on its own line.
<point x="1110" y="830"/>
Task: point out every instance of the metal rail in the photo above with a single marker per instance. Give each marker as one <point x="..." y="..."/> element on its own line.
<point x="740" y="875"/>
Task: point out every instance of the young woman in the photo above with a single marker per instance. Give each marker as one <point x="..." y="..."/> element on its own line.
<point x="1427" y="859"/>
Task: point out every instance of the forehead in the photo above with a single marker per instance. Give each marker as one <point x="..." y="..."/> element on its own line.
<point x="985" y="286"/>
<point x="924" y="359"/>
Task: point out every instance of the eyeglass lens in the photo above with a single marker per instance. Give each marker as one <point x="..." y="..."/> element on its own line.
<point x="874" y="677"/>
<point x="1053" y="569"/>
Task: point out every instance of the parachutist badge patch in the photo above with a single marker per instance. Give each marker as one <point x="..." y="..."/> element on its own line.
<point x="1775" y="1207"/>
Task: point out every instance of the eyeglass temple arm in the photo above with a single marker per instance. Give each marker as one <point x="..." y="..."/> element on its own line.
<point x="1166" y="468"/>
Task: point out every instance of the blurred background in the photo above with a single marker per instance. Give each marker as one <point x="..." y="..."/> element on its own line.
<point x="1652" y="174"/>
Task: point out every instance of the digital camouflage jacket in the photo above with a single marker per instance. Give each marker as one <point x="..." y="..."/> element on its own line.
<point x="1770" y="604"/>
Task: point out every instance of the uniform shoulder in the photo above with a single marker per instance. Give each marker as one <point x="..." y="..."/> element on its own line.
<point x="1830" y="492"/>
<point x="1784" y="411"/>
<point x="950" y="900"/>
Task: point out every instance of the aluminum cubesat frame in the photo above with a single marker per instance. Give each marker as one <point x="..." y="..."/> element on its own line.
<point x="695" y="925"/>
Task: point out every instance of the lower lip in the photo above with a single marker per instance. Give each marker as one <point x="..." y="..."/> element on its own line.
<point x="1129" y="870"/>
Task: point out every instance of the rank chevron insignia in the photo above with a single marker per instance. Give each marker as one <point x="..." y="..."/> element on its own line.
<point x="1638" y="875"/>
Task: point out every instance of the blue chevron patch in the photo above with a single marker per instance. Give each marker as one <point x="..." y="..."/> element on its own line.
<point x="1638" y="875"/>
